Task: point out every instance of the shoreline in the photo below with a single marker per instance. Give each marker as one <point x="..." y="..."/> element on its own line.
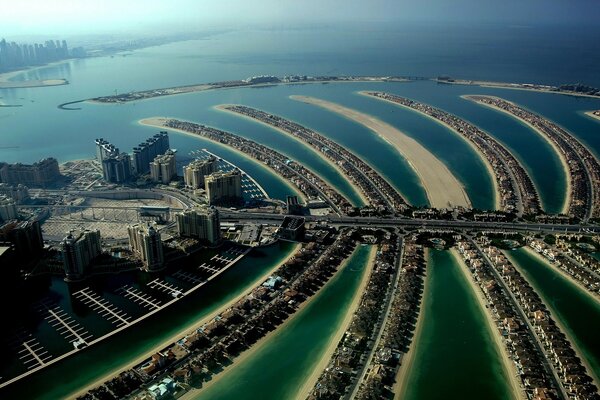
<point x="115" y="372"/>
<point x="568" y="334"/>
<point x="484" y="160"/>
<point x="508" y="367"/>
<point x="312" y="379"/>
<point x="592" y="115"/>
<point x="563" y="161"/>
<point x="511" y="86"/>
<point x="157" y="122"/>
<point x="401" y="378"/>
<point x="443" y="189"/>
<point x="194" y="393"/>
<point x="356" y="189"/>
<point x="565" y="275"/>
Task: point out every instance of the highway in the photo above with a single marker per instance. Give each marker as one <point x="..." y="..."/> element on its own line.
<point x="414" y="223"/>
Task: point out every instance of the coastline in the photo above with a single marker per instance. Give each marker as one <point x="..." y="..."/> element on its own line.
<point x="158" y="122"/>
<point x="511" y="86"/>
<point x="115" y="372"/>
<point x="442" y="188"/>
<point x="309" y="384"/>
<point x="355" y="188"/>
<point x="591" y="372"/>
<point x="484" y="160"/>
<point x="508" y="367"/>
<point x="557" y="151"/>
<point x="195" y="393"/>
<point x="401" y="379"/>
<point x="592" y="115"/>
<point x="565" y="275"/>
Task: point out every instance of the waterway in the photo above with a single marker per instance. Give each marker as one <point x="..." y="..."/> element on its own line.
<point x="278" y="369"/>
<point x="87" y="366"/>
<point x="455" y="353"/>
<point x="578" y="313"/>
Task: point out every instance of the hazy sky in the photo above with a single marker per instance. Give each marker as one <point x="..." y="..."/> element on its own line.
<point x="34" y="17"/>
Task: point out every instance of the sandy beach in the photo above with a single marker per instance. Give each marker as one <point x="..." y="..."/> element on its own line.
<point x="310" y="382"/>
<point x="158" y="122"/>
<point x="264" y="341"/>
<point x="333" y="165"/>
<point x="484" y="160"/>
<point x="401" y="380"/>
<point x="507" y="364"/>
<point x="562" y="158"/>
<point x="183" y="332"/>
<point x="563" y="273"/>
<point x="593" y="374"/>
<point x="592" y="115"/>
<point x="442" y="187"/>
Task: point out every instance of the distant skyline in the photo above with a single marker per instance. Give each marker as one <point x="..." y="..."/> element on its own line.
<point x="70" y="17"/>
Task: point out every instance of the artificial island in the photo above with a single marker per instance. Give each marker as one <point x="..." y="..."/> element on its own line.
<point x="125" y="237"/>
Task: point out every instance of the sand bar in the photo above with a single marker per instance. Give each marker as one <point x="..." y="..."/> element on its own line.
<point x="326" y="160"/>
<point x="159" y="122"/>
<point x="484" y="160"/>
<point x="593" y="115"/>
<point x="442" y="187"/>
<point x="507" y="364"/>
<point x="184" y="331"/>
<point x="311" y="381"/>
<point x="195" y="393"/>
<point x="559" y="153"/>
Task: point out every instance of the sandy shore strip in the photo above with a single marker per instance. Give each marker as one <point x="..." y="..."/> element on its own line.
<point x="508" y="365"/>
<point x="594" y="116"/>
<point x="568" y="277"/>
<point x="311" y="381"/>
<point x="264" y="341"/>
<point x="401" y="381"/>
<point x="442" y="188"/>
<point x="484" y="160"/>
<point x="562" y="158"/>
<point x="184" y="331"/>
<point x="595" y="375"/>
<point x="159" y="122"/>
<point x="355" y="188"/>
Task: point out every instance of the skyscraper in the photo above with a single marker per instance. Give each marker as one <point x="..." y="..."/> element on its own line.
<point x="146" y="244"/>
<point x="117" y="169"/>
<point x="78" y="251"/>
<point x="8" y="208"/>
<point x="41" y="173"/>
<point x="194" y="172"/>
<point x="200" y="223"/>
<point x="163" y="168"/>
<point x="224" y="187"/>
<point x="145" y="152"/>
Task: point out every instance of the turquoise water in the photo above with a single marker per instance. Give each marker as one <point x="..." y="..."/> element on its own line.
<point x="85" y="367"/>
<point x="455" y="355"/>
<point x="579" y="314"/>
<point x="278" y="370"/>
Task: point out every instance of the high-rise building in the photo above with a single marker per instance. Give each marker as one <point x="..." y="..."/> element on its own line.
<point x="224" y="187"/>
<point x="145" y="152"/>
<point x="194" y="172"/>
<point x="104" y="150"/>
<point x="78" y="251"/>
<point x="8" y="208"/>
<point x="26" y="236"/>
<point x="146" y="244"/>
<point x="117" y="169"/>
<point x="200" y="223"/>
<point x="164" y="168"/>
<point x="18" y="193"/>
<point x="41" y="173"/>
<point x="293" y="206"/>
